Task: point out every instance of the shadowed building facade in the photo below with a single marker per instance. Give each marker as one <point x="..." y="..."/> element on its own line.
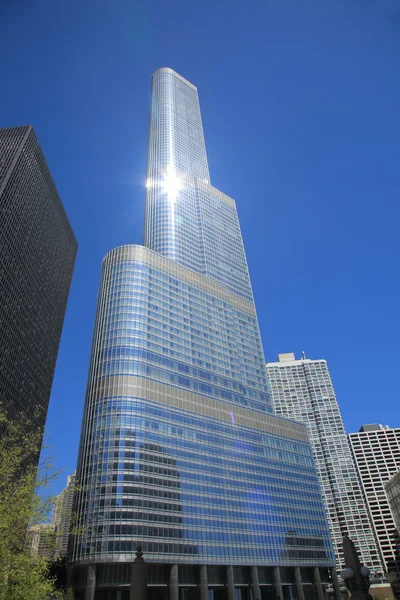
<point x="37" y="257"/>
<point x="180" y="449"/>
<point x="392" y="489"/>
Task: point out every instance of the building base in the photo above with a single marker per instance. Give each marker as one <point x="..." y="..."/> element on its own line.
<point x="207" y="582"/>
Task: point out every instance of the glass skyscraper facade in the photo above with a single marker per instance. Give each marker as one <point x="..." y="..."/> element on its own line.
<point x="180" y="449"/>
<point x="37" y="256"/>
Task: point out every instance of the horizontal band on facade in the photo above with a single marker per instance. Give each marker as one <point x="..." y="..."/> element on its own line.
<point x="200" y="405"/>
<point x="182" y="561"/>
<point x="144" y="255"/>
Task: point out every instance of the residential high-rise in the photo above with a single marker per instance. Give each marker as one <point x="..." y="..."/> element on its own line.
<point x="303" y="390"/>
<point x="40" y="541"/>
<point x="376" y="451"/>
<point x="62" y="515"/>
<point x="180" y="449"/>
<point x="37" y="256"/>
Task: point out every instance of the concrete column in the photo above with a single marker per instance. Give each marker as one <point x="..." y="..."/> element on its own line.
<point x="318" y="584"/>
<point x="299" y="583"/>
<point x="278" y="584"/>
<point x="336" y="584"/>
<point x="90" y="582"/>
<point x="230" y="582"/>
<point x="173" y="583"/>
<point x="255" y="586"/>
<point x="203" y="583"/>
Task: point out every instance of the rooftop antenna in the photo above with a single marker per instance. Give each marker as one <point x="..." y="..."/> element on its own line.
<point x="303" y="355"/>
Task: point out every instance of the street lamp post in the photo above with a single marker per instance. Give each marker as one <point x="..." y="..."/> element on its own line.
<point x="138" y="589"/>
<point x="355" y="575"/>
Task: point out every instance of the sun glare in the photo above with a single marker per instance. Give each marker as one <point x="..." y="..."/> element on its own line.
<point x="171" y="183"/>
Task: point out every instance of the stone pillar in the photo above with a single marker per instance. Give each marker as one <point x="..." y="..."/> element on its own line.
<point x="318" y="584"/>
<point x="203" y="583"/>
<point x="90" y="582"/>
<point x="299" y="583"/>
<point x="138" y="589"/>
<point x="278" y="584"/>
<point x="230" y="582"/>
<point x="173" y="583"/>
<point x="336" y="584"/>
<point x="255" y="586"/>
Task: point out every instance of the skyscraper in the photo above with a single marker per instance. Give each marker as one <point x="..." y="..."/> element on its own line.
<point x="376" y="451"/>
<point x="40" y="541"/>
<point x="303" y="390"/>
<point x="62" y="515"/>
<point x="37" y="256"/>
<point x="180" y="449"/>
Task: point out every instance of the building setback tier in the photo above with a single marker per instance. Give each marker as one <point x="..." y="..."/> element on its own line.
<point x="193" y="476"/>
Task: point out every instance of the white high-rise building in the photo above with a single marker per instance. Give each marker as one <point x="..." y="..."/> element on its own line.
<point x="302" y="390"/>
<point x="376" y="451"/>
<point x="40" y="541"/>
<point x="62" y="515"/>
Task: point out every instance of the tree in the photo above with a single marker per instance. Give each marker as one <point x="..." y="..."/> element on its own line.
<point x="22" y="503"/>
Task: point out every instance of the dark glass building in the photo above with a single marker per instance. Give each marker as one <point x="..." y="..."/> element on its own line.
<point x="37" y="256"/>
<point x="180" y="449"/>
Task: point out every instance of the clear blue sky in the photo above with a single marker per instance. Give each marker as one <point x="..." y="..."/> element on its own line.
<point x="300" y="104"/>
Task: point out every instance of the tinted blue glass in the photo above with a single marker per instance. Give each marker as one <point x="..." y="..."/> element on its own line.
<point x="189" y="486"/>
<point x="189" y="481"/>
<point x="179" y="334"/>
<point x="179" y="446"/>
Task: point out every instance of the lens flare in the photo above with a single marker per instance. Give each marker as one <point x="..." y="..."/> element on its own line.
<point x="171" y="183"/>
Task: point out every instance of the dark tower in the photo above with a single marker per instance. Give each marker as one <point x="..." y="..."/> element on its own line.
<point x="37" y="256"/>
